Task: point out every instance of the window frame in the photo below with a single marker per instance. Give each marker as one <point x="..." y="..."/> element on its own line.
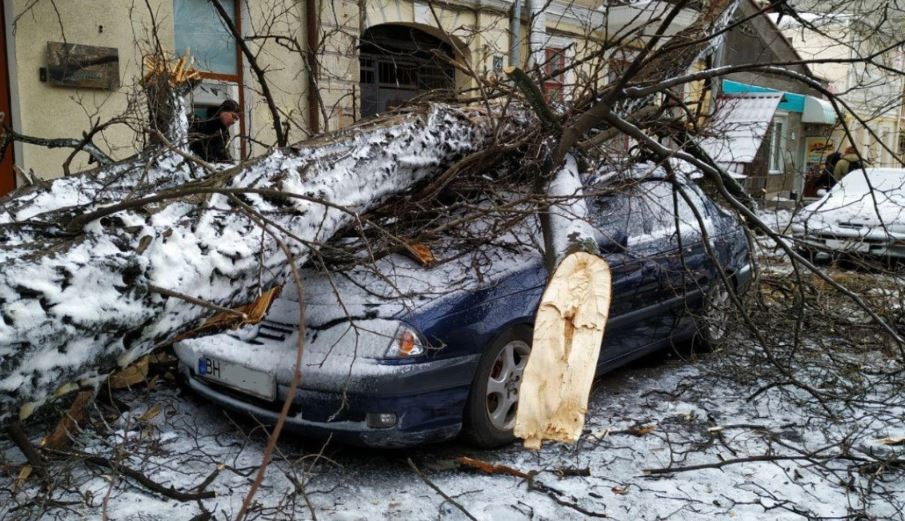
<point x="555" y="59"/>
<point x="237" y="79"/>
<point x="777" y="144"/>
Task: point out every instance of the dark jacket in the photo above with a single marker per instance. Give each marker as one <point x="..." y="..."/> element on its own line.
<point x="209" y="139"/>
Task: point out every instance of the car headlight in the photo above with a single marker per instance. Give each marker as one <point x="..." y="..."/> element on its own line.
<point x="406" y="343"/>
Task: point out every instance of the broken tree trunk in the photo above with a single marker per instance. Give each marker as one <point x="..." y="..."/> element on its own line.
<point x="569" y="326"/>
<point x="93" y="264"/>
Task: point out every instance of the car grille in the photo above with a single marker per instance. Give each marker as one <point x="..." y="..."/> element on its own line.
<point x="851" y="225"/>
<point x="833" y="236"/>
<point x="273" y="331"/>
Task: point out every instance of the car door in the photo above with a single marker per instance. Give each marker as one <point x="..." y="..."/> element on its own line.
<point x="677" y="251"/>
<point x="619" y="217"/>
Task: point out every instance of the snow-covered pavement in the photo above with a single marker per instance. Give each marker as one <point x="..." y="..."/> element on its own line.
<point x="662" y="412"/>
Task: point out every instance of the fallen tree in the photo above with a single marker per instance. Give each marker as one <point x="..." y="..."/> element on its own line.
<point x="103" y="267"/>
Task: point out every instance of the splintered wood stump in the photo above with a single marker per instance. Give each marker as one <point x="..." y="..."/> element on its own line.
<point x="568" y="330"/>
<point x="92" y="264"/>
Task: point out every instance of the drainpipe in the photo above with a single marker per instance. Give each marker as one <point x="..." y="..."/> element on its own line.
<point x="537" y="32"/>
<point x="311" y="29"/>
<point x="515" y="29"/>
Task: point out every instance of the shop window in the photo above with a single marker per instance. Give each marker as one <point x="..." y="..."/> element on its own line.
<point x="199" y="29"/>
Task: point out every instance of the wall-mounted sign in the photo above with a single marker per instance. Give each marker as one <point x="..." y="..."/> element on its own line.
<point x="497" y="64"/>
<point x="85" y="66"/>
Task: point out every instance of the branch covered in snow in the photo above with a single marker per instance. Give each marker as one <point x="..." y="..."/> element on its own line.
<point x="74" y="306"/>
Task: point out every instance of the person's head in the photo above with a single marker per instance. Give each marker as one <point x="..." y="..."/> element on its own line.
<point x="849" y="150"/>
<point x="228" y="113"/>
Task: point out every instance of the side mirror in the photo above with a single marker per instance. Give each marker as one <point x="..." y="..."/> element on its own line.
<point x="821" y="192"/>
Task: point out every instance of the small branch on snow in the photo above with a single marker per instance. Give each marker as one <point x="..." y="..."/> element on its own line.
<point x="556" y="496"/>
<point x="445" y="496"/>
<point x="197" y="301"/>
<point x="721" y="464"/>
<point x="143" y="480"/>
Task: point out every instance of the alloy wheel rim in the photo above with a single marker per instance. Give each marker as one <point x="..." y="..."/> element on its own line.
<point x="717" y="314"/>
<point x="503" y="384"/>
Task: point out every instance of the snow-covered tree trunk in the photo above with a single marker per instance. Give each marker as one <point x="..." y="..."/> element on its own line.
<point x="85" y="258"/>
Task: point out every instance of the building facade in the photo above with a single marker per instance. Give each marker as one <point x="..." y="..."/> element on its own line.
<point x="773" y="122"/>
<point x="72" y="66"/>
<point x="840" y="40"/>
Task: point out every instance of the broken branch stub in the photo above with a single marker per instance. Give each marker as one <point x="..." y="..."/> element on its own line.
<point x="568" y="330"/>
<point x="75" y="305"/>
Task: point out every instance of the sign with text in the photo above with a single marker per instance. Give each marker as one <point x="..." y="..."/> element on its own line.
<point x="84" y="66"/>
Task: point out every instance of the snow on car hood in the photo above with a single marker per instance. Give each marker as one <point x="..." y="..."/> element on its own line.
<point x="854" y="204"/>
<point x="352" y="316"/>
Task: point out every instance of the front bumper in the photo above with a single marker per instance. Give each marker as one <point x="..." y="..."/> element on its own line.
<point x="853" y="245"/>
<point x="428" y="401"/>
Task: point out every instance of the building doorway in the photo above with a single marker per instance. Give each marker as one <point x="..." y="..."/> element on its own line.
<point x="7" y="172"/>
<point x="398" y="63"/>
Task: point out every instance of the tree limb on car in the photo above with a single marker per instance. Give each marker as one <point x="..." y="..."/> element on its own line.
<point x="76" y="301"/>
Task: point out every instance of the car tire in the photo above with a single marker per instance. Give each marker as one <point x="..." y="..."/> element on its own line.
<point x="490" y="411"/>
<point x="711" y="324"/>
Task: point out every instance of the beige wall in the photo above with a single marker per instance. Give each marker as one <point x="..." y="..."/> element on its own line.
<point x="867" y="100"/>
<point x="48" y="111"/>
<point x="286" y="73"/>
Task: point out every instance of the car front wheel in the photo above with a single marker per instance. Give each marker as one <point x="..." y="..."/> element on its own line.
<point x="712" y="325"/>
<point x="490" y="413"/>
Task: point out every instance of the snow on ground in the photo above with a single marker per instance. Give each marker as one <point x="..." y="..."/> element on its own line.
<point x="658" y="413"/>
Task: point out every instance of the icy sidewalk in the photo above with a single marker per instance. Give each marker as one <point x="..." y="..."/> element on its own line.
<point x="659" y="414"/>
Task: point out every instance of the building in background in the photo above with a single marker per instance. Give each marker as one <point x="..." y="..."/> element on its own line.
<point x="769" y="130"/>
<point x="367" y="57"/>
<point x="834" y="36"/>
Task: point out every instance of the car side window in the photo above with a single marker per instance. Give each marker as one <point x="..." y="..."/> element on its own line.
<point x="645" y="212"/>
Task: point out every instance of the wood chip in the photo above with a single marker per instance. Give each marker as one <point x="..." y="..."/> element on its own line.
<point x="132" y="375"/>
<point x="568" y="331"/>
<point x="24" y="473"/>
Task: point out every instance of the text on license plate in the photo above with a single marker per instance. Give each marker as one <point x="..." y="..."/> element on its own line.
<point x="238" y="377"/>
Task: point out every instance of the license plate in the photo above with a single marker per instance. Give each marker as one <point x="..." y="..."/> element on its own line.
<point x="238" y="377"/>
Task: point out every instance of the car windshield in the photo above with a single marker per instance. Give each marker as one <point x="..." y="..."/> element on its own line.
<point x="890" y="182"/>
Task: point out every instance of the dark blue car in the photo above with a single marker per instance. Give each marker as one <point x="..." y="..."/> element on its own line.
<point x="396" y="354"/>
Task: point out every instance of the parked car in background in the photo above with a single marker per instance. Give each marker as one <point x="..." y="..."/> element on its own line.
<point x="864" y="213"/>
<point x="396" y="354"/>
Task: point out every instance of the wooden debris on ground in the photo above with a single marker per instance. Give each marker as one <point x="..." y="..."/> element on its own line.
<point x="132" y="375"/>
<point x="69" y="424"/>
<point x="490" y="468"/>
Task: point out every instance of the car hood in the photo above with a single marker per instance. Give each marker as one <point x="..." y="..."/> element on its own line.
<point x="351" y="316"/>
<point x="853" y="211"/>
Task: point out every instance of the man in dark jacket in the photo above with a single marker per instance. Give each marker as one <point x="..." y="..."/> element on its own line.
<point x="209" y="138"/>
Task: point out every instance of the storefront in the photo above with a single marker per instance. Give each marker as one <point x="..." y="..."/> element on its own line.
<point x="791" y="140"/>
